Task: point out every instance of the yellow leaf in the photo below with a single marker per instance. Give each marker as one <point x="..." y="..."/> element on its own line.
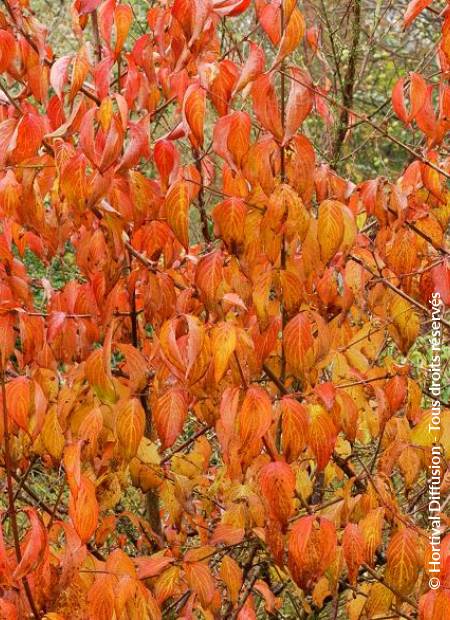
<point x="232" y="575"/>
<point x="52" y="434"/>
<point x="405" y="325"/>
<point x="123" y="18"/>
<point x="402" y="561"/>
<point x="177" y="208"/>
<point x="322" y="435"/>
<point x="98" y="377"/>
<point x="330" y="231"/>
<point x="371" y="528"/>
<point x="79" y="71"/>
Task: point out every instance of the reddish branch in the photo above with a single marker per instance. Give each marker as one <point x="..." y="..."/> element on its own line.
<point x="10" y="490"/>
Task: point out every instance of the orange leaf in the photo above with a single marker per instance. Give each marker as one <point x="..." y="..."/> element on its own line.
<point x="255" y="416"/>
<point x="135" y="364"/>
<point x="311" y="549"/>
<point x="294" y="426"/>
<point x="227" y="534"/>
<point x="83" y="509"/>
<point x="194" y="113"/>
<point x="229" y="217"/>
<point x="238" y="140"/>
<point x="18" y="395"/>
<point x="130" y="426"/>
<point x="166" y="584"/>
<point x="232" y="575"/>
<point x="209" y="276"/>
<point x="293" y="34"/>
<point x="152" y="566"/>
<point x="418" y="93"/>
<point x="277" y="482"/>
<point x="353" y="546"/>
<point x="123" y="18"/>
<point x="79" y="71"/>
<point x="97" y="376"/>
<point x="372" y="530"/>
<point x="330" y="228"/>
<point x="166" y="159"/>
<point x="269" y="18"/>
<point x="177" y="209"/>
<point x="200" y="581"/>
<point x="298" y="343"/>
<point x="224" y="342"/>
<point x="322" y="435"/>
<point x="221" y="87"/>
<point x="402" y="561"/>
<point x="52" y="434"/>
<point x="271" y="602"/>
<point x="101" y="597"/>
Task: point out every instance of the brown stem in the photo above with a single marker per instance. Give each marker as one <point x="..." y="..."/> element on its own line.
<point x="46" y="61"/>
<point x="96" y="31"/>
<point x="201" y="198"/>
<point x="365" y="119"/>
<point x="349" y="81"/>
<point x="185" y="444"/>
<point x="152" y="497"/>
<point x="399" y="291"/>
<point x="272" y="376"/>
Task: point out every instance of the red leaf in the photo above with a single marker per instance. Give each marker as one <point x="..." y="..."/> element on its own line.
<point x="87" y="6"/>
<point x="265" y="105"/>
<point x="398" y="101"/>
<point x="253" y="67"/>
<point x="441" y="281"/>
<point x="299" y="103"/>
<point x="415" y="7"/>
<point x="7" y="49"/>
<point x="138" y="145"/>
<point x="418" y="93"/>
<point x="35" y="546"/>
<point x="222" y="86"/>
<point x="170" y="415"/>
<point x="230" y="8"/>
<point x="166" y="159"/>
<point x="269" y="18"/>
<point x="152" y="566"/>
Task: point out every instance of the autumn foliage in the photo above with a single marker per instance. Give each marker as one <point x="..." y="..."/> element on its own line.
<point x="220" y="398"/>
